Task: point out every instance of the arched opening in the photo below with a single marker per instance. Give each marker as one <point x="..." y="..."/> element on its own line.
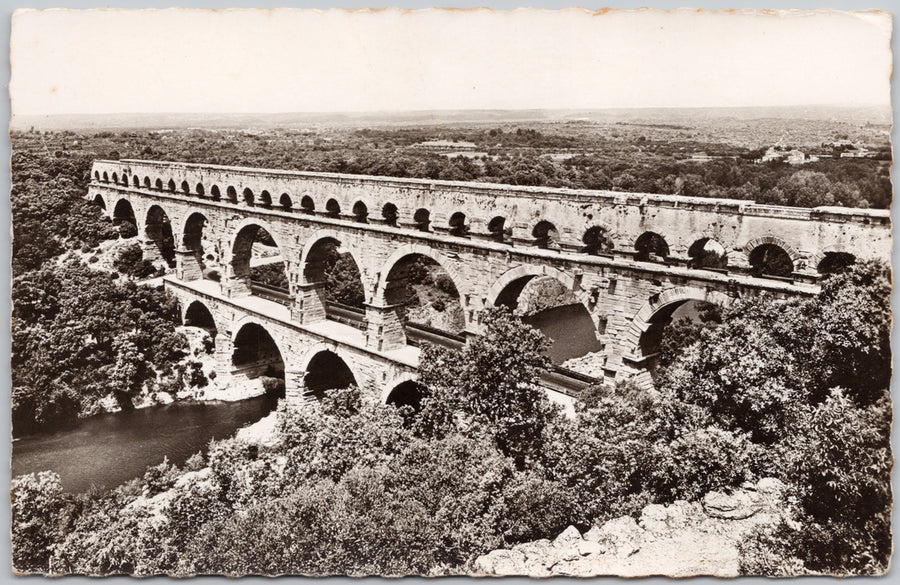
<point x="407" y="393"/>
<point x="258" y="265"/>
<point x="285" y="202"/>
<point x="597" y="240"/>
<point x="497" y="229"/>
<point x="422" y="219"/>
<point x="198" y="315"/>
<point x="97" y="175"/>
<point x="265" y="199"/>
<point x="257" y="357"/>
<point x="707" y="253"/>
<point x="650" y="246"/>
<point x="159" y="229"/>
<point x="200" y="190"/>
<point x="115" y="178"/>
<point x="215" y="193"/>
<point x="770" y="260"/>
<point x="248" y="196"/>
<point x="834" y="262"/>
<point x="159" y="185"/>
<point x="171" y="185"/>
<point x="307" y="205"/>
<point x="333" y="208"/>
<point x="327" y="371"/>
<point x="185" y="188"/>
<point x="147" y="183"/>
<point x="390" y="213"/>
<point x="360" y="212"/>
<point x="124" y="219"/>
<point x="195" y="239"/>
<point x="425" y="295"/>
<point x="545" y="235"/>
<point x="99" y="202"/>
<point x="125" y="179"/>
<point x="136" y="182"/>
<point x="231" y="194"/>
<point x="458" y="225"/>
<point x="687" y="315"/>
<point x="105" y="177"/>
<point x="548" y="305"/>
<point x="338" y="278"/>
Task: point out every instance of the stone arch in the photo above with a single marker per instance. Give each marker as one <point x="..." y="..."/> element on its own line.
<point x="239" y="252"/>
<point x="99" y="201"/>
<point x="252" y="320"/>
<point x="148" y="184"/>
<point x="459" y="224"/>
<point x="395" y="381"/>
<point x="412" y="249"/>
<point x="124" y="179"/>
<point x="185" y="188"/>
<point x="597" y="239"/>
<point x="332" y="353"/>
<point x="158" y="227"/>
<point x="390" y="213"/>
<point x="200" y="190"/>
<point x="422" y="219"/>
<point x="750" y="246"/>
<point x="650" y="244"/>
<point x="214" y="193"/>
<point x="254" y="349"/>
<point x="198" y="314"/>
<point x="124" y="212"/>
<point x="265" y="199"/>
<point x="115" y="178"/>
<point x="525" y="271"/>
<point x="135" y="181"/>
<point x="285" y="202"/>
<point x="346" y="247"/>
<point x="249" y="198"/>
<point x="642" y="320"/>
<point x="703" y="256"/>
<point x="159" y="185"/>
<point x="407" y="393"/>
<point x="333" y="208"/>
<point x="360" y="212"/>
<point x="97" y="175"/>
<point x="498" y="230"/>
<point x="171" y="185"/>
<point x="819" y="257"/>
<point x="231" y="194"/>
<point x="307" y="204"/>
<point x="545" y="234"/>
<point x="190" y="235"/>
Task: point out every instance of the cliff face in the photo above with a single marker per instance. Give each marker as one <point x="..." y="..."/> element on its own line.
<point x="678" y="540"/>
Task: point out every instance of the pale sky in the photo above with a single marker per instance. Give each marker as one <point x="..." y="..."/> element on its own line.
<point x="288" y="60"/>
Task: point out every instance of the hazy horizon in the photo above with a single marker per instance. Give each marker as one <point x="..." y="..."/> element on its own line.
<point x="254" y="62"/>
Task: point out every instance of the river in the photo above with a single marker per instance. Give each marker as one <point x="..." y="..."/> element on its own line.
<point x="109" y="449"/>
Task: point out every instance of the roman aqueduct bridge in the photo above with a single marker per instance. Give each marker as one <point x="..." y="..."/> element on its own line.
<point x="629" y="258"/>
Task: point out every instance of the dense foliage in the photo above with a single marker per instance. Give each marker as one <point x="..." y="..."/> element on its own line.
<point x="360" y="488"/>
<point x="79" y="335"/>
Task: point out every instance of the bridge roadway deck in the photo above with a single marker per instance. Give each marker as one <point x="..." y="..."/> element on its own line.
<point x="559" y="382"/>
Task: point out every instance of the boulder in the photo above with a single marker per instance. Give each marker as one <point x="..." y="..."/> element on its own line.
<point x="500" y="562"/>
<point x="654" y="518"/>
<point x="621" y="536"/>
<point x="737" y="506"/>
<point x="771" y="486"/>
<point x="568" y="535"/>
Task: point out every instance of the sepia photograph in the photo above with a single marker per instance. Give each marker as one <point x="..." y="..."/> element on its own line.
<point x="444" y="292"/>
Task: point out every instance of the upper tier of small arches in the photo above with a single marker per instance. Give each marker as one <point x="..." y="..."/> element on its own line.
<point x="591" y="234"/>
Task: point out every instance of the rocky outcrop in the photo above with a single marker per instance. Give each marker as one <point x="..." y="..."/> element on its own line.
<point x="678" y="540"/>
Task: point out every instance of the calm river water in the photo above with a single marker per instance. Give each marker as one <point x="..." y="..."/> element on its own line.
<point x="109" y="449"/>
